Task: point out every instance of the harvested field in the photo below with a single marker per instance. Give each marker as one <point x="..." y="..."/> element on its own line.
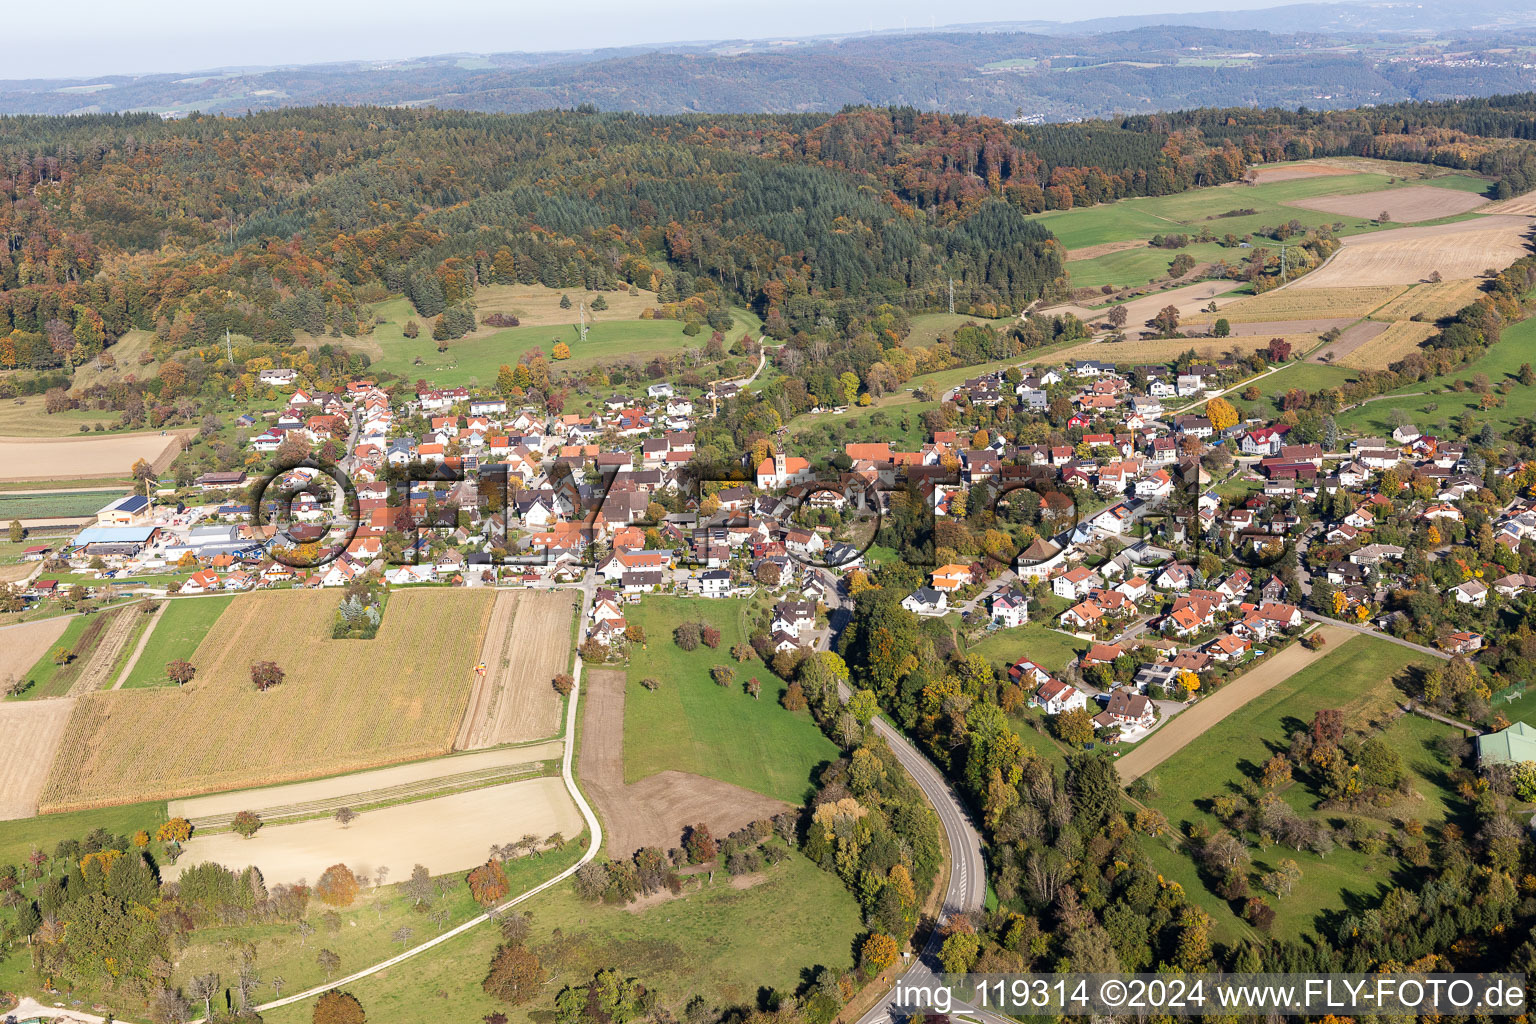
<point x="1433" y="301"/>
<point x="22" y="645"/>
<point x="344" y="705"/>
<point x="1386" y="348"/>
<point x="1410" y="255"/>
<point x="1519" y="206"/>
<point x="1411" y="204"/>
<point x="30" y="732"/>
<point x="1349" y="340"/>
<point x="1291" y="172"/>
<point x="1190" y="724"/>
<point x="655" y="810"/>
<point x="84" y="457"/>
<point x="450" y="833"/>
<point x="1295" y="303"/>
<point x="527" y="644"/>
<point x="1089" y="252"/>
<point x="1158" y="349"/>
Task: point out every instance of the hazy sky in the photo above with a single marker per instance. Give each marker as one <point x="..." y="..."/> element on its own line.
<point x="97" y="37"/>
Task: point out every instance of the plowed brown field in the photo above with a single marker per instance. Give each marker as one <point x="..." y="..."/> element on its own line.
<point x="655" y="810"/>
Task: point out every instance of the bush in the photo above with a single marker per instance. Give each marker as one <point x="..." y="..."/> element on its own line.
<point x="686" y="636"/>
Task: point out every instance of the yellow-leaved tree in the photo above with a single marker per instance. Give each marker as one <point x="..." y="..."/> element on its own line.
<point x="1221" y="413"/>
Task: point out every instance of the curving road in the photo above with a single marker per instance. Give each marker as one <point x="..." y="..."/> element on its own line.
<point x="967" y="889"/>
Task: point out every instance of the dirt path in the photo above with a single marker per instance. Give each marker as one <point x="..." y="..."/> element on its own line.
<point x="30" y="732"/>
<point x="527" y="644"/>
<point x="101" y="659"/>
<point x="133" y="659"/>
<point x="1173" y="737"/>
<point x="655" y="810"/>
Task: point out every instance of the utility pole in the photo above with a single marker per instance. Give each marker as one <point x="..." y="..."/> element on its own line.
<point x="581" y="313"/>
<point x="951" y="296"/>
<point x="229" y="348"/>
<point x="1282" y="264"/>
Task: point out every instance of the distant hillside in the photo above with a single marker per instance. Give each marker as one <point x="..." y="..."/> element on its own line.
<point x="1325" y="56"/>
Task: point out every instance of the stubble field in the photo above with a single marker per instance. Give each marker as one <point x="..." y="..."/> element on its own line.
<point x="1403" y="256"/>
<point x="1431" y="301"/>
<point x="83" y="457"/>
<point x="1411" y="204"/>
<point x="344" y="704"/>
<point x="29" y="735"/>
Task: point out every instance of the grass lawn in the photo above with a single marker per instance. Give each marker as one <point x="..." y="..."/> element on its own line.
<point x="927" y="327"/>
<point x="717" y="941"/>
<point x="692" y="725"/>
<point x="1356" y="678"/>
<point x="1501" y="362"/>
<point x="1138" y="266"/>
<point x="181" y="628"/>
<point x="611" y="336"/>
<point x="1521" y="709"/>
<point x="902" y="403"/>
<point x="19" y="838"/>
<point x="25" y="417"/>
<point x="1307" y="376"/>
<point x="361" y="934"/>
<point x="1035" y="640"/>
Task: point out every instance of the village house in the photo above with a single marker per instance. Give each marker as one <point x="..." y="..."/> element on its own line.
<point x="1009" y="609"/>
<point x="1053" y="697"/>
<point x="926" y="601"/>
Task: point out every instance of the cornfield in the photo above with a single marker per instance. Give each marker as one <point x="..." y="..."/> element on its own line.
<point x="1305" y="304"/>
<point x="344" y="705"/>
<point x="1432" y="300"/>
<point x="1389" y="346"/>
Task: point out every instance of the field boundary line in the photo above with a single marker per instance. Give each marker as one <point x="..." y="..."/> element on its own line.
<point x="133" y="659"/>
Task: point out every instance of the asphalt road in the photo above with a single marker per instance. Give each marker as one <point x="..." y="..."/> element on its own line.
<point x="967" y="889"/>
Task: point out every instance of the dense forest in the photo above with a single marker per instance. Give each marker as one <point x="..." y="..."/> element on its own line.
<point x="292" y="221"/>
